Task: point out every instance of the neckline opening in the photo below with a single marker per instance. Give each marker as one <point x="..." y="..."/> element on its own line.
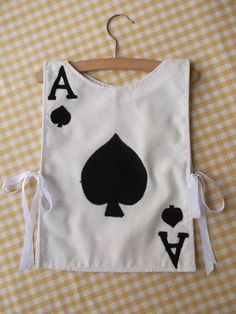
<point x="97" y="83"/>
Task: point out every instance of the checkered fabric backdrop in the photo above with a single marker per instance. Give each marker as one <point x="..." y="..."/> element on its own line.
<point x="37" y="30"/>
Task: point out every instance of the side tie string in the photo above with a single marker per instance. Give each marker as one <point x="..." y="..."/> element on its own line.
<point x="11" y="186"/>
<point x="199" y="208"/>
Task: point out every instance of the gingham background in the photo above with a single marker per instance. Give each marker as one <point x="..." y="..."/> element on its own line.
<point x="38" y="30"/>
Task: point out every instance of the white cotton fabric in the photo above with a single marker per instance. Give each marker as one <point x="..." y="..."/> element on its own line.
<point x="151" y="116"/>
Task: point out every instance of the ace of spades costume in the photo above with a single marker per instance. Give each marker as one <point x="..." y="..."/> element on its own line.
<point x="116" y="190"/>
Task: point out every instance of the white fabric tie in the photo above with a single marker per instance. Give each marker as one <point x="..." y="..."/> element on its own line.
<point x="199" y="208"/>
<point x="11" y="186"/>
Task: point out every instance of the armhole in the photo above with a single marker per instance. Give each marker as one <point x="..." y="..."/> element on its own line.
<point x="189" y="168"/>
<point x="45" y="79"/>
<point x="43" y="111"/>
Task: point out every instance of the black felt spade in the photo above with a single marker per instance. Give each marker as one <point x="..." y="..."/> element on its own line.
<point x="114" y="174"/>
<point x="60" y="116"/>
<point x="172" y="215"/>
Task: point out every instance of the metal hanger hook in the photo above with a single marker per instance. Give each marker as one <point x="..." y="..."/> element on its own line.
<point x="116" y="41"/>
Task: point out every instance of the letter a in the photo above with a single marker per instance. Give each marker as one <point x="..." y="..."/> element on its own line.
<point x="66" y="85"/>
<point x="178" y="246"/>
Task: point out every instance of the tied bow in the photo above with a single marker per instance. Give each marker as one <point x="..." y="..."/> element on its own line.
<point x="11" y="186"/>
<point x="199" y="208"/>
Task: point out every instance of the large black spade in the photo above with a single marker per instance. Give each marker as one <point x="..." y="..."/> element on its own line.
<point x="114" y="174"/>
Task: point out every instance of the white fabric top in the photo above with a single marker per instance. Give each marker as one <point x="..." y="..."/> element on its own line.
<point x="117" y="162"/>
<point x="149" y="117"/>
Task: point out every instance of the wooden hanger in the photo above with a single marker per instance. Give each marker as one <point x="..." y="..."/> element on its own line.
<point x="118" y="63"/>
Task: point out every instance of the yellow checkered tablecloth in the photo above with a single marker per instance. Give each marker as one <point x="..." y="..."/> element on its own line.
<point x="37" y="30"/>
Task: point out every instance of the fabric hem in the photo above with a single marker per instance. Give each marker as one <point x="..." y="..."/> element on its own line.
<point x="43" y="140"/>
<point x="129" y="270"/>
<point x="189" y="157"/>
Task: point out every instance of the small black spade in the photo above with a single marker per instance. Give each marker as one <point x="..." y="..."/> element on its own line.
<point x="60" y="116"/>
<point x="172" y="215"/>
<point x="114" y="174"/>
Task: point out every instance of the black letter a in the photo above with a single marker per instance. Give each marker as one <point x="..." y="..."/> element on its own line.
<point x="66" y="85"/>
<point x="178" y="246"/>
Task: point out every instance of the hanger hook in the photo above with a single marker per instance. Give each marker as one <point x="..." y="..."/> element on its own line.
<point x="116" y="41"/>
